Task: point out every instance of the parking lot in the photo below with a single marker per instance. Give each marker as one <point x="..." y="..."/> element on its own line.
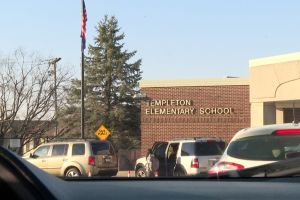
<point x="125" y="174"/>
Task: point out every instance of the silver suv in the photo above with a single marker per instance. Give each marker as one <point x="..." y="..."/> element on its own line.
<point x="183" y="157"/>
<point x="76" y="158"/>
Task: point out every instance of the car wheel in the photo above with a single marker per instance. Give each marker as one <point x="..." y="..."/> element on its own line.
<point x="72" y="172"/>
<point x="140" y="172"/>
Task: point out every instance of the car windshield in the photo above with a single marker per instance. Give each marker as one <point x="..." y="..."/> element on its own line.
<point x="150" y="89"/>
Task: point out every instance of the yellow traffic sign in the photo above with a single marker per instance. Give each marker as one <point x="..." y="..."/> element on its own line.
<point x="102" y="132"/>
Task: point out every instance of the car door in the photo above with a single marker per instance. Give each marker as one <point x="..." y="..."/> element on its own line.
<point x="159" y="150"/>
<point x="39" y="157"/>
<point x="114" y="158"/>
<point x="171" y="158"/>
<point x="57" y="158"/>
<point x="104" y="155"/>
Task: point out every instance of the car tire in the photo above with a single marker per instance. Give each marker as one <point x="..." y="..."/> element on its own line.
<point x="72" y="172"/>
<point x="140" y="172"/>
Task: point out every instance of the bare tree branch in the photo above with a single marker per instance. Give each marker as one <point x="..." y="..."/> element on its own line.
<point x="27" y="97"/>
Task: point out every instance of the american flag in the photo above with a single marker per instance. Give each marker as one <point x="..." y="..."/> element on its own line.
<point x="83" y="25"/>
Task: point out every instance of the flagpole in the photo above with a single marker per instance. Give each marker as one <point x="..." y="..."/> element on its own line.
<point x="83" y="38"/>
<point x="82" y="94"/>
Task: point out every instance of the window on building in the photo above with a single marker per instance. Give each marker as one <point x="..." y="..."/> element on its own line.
<point x="291" y="115"/>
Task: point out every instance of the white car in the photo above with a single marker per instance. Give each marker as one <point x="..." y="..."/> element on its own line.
<point x="183" y="157"/>
<point x="254" y="147"/>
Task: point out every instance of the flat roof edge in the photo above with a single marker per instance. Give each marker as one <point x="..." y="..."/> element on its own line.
<point x="191" y="83"/>
<point x="274" y="59"/>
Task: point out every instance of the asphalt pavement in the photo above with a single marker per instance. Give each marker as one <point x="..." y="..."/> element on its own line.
<point x="125" y="174"/>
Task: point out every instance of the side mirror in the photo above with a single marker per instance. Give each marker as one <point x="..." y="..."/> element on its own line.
<point x="31" y="155"/>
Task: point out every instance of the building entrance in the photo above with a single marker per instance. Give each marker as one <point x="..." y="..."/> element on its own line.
<point x="288" y="115"/>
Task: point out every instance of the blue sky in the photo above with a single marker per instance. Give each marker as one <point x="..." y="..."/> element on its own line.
<point x="175" y="39"/>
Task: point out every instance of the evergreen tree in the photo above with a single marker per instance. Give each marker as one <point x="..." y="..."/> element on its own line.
<point x="111" y="81"/>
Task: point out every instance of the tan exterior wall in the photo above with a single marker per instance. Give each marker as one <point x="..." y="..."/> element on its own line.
<point x="257" y="114"/>
<point x="274" y="85"/>
<point x="279" y="116"/>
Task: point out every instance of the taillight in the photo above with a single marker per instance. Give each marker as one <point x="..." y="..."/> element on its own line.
<point x="287" y="132"/>
<point x="224" y="167"/>
<point x="91" y="160"/>
<point x="195" y="163"/>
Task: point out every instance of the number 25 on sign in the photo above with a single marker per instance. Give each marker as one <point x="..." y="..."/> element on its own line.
<point x="102" y="132"/>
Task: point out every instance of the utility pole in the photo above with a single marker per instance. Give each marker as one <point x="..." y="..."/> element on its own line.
<point x="53" y="62"/>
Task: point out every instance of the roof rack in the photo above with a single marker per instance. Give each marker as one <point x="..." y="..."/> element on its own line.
<point x="198" y="138"/>
<point x="69" y="139"/>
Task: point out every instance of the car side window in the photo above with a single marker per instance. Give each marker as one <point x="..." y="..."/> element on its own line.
<point x="78" y="149"/>
<point x="202" y="148"/>
<point x="187" y="149"/>
<point x="41" y="151"/>
<point x="172" y="151"/>
<point x="59" y="149"/>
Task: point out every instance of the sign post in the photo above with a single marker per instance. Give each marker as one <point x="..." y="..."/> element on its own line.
<point x="102" y="132"/>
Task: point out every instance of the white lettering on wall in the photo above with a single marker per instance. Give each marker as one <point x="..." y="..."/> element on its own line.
<point x="182" y="107"/>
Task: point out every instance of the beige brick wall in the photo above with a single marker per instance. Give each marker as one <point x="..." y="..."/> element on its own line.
<point x="167" y="127"/>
